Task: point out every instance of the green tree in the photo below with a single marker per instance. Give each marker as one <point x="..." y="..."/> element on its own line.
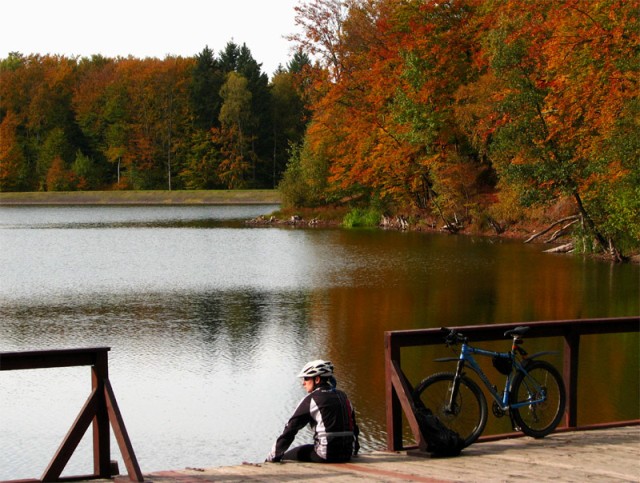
<point x="202" y="163"/>
<point x="299" y="62"/>
<point x="86" y="174"/>
<point x="207" y="78"/>
<point x="234" y="142"/>
<point x="55" y="147"/>
<point x="304" y="182"/>
<point x="287" y="119"/>
<point x="93" y="101"/>
<point x="228" y="57"/>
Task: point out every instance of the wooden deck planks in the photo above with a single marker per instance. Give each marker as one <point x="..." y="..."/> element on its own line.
<point x="603" y="455"/>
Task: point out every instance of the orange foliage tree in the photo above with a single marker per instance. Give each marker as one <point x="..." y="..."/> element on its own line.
<point x="12" y="161"/>
<point x="560" y="114"/>
<point x="431" y="103"/>
<point x="384" y="113"/>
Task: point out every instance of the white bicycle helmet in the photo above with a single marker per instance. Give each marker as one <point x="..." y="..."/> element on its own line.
<point x="317" y="368"/>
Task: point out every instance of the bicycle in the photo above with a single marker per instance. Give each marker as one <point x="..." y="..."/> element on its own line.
<point x="533" y="396"/>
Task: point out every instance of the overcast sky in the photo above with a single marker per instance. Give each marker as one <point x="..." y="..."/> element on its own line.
<point x="148" y="28"/>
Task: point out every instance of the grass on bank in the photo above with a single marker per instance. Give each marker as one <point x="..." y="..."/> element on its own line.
<point x="159" y="197"/>
<point x="359" y="217"/>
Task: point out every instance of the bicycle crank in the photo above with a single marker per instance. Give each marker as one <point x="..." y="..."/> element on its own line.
<point x="498" y="412"/>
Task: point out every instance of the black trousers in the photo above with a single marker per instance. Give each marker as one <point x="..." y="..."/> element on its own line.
<point x="307" y="453"/>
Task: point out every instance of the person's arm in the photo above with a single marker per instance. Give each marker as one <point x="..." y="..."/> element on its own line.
<point x="301" y="417"/>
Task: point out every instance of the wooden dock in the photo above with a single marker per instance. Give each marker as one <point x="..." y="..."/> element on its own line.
<point x="602" y="455"/>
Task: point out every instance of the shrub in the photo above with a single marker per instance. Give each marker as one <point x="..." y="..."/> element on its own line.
<point x="359" y="217"/>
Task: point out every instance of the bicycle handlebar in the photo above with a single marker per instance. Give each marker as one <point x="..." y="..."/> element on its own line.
<point x="452" y="336"/>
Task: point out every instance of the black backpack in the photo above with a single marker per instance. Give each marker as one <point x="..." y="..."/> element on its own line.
<point x="441" y="441"/>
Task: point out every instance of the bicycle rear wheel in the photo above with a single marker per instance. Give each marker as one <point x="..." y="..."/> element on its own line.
<point x="538" y="419"/>
<point x="468" y="416"/>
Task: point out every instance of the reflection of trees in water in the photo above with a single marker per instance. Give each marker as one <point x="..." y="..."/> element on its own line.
<point x="239" y="325"/>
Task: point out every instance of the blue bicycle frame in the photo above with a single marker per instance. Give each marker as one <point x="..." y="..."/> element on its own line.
<point x="466" y="358"/>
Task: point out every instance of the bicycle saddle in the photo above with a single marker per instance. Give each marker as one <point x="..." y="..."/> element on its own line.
<point x="517" y="331"/>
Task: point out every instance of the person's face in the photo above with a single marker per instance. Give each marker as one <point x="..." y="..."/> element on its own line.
<point x="307" y="383"/>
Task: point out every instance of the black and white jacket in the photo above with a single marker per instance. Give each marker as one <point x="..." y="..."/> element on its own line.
<point x="330" y="413"/>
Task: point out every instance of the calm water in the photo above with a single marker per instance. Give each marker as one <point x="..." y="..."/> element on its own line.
<point x="209" y="322"/>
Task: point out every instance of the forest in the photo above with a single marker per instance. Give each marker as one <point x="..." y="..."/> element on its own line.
<point x="462" y="112"/>
<point x="206" y="122"/>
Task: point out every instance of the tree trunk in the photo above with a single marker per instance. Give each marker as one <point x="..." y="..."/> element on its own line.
<point x="607" y="247"/>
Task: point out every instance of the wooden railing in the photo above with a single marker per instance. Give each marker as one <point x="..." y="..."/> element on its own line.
<point x="100" y="409"/>
<point x="399" y="389"/>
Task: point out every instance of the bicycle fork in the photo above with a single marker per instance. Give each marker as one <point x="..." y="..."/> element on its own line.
<point x="452" y="407"/>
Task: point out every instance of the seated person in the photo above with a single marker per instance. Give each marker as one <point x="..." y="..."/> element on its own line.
<point x="329" y="412"/>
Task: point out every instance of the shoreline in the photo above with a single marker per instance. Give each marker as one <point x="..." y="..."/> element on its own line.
<point x="231" y="197"/>
<point x="132" y="198"/>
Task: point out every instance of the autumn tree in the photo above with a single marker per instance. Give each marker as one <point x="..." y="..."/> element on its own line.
<point x="58" y="177"/>
<point x="561" y="117"/>
<point x="434" y="48"/>
<point x="383" y="110"/>
<point x="321" y="23"/>
<point x="12" y="160"/>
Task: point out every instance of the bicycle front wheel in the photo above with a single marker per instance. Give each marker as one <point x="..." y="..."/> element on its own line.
<point x="541" y="382"/>
<point x="467" y="416"/>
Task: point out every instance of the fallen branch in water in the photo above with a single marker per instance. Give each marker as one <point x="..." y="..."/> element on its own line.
<point x="561" y="249"/>
<point x="562" y="231"/>
<point x="549" y="228"/>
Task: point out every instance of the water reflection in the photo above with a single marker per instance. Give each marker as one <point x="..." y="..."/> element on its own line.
<point x="209" y="324"/>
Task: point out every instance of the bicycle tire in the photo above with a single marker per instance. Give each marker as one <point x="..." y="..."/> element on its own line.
<point x="540" y="419"/>
<point x="470" y="412"/>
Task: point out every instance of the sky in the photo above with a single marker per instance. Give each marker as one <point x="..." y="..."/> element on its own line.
<point x="148" y="28"/>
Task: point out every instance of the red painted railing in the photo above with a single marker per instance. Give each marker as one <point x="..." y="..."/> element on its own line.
<point x="101" y="409"/>
<point x="399" y="389"/>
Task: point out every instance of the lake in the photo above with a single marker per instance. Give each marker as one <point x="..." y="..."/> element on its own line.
<point x="209" y="322"/>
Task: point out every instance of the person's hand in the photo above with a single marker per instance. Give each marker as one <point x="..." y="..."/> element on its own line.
<point x="272" y="458"/>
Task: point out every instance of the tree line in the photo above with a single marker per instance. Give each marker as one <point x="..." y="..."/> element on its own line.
<point x="480" y="110"/>
<point x="473" y="111"/>
<point x="203" y="122"/>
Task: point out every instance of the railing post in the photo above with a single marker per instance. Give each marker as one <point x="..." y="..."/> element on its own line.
<point x="393" y="408"/>
<point x="100" y="409"/>
<point x="101" y="433"/>
<point x="570" y="374"/>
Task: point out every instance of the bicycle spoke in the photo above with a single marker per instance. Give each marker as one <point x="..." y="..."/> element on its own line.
<point x="542" y="388"/>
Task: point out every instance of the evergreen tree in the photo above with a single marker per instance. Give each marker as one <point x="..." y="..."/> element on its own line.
<point x="299" y="61"/>
<point x="206" y="80"/>
<point x="229" y="57"/>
